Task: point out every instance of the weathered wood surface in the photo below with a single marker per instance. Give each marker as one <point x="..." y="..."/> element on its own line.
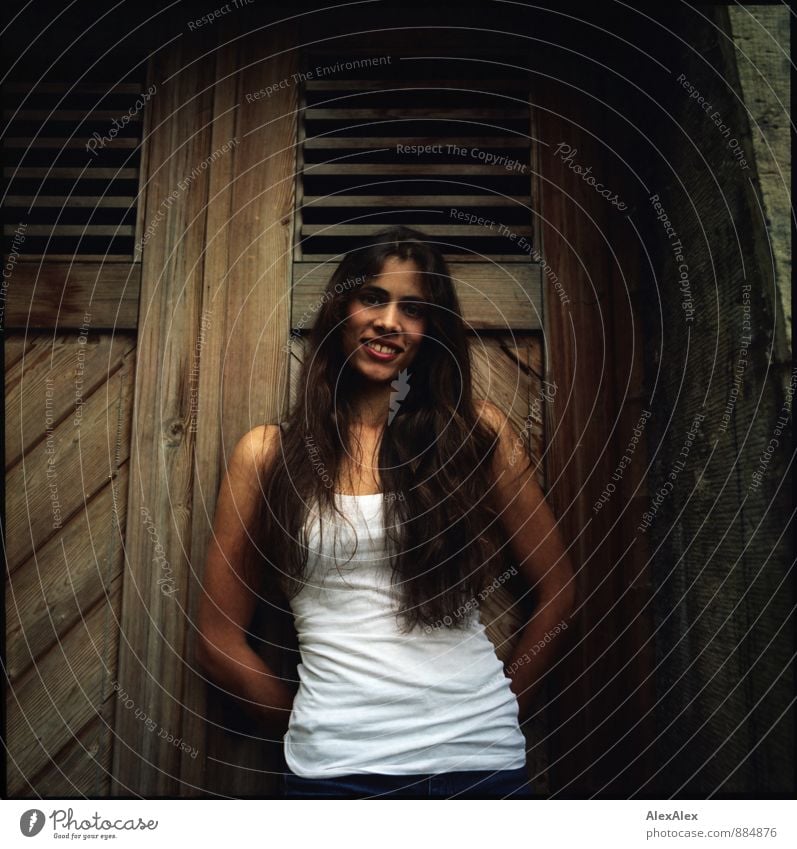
<point x="83" y="766"/>
<point x="381" y="114"/>
<point x="151" y="657"/>
<point x="64" y="568"/>
<point x="593" y="361"/>
<point x="62" y="294"/>
<point x="62" y="693"/>
<point x="475" y="85"/>
<point x="75" y="367"/>
<point x="65" y="467"/>
<point x="461" y="201"/>
<point x="241" y="760"/>
<point x="48" y="594"/>
<point x="761" y="37"/>
<point x="214" y="321"/>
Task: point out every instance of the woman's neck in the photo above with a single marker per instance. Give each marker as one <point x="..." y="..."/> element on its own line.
<point x="370" y="405"/>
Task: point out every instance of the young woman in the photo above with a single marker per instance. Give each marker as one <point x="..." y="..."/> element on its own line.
<point x="380" y="511"/>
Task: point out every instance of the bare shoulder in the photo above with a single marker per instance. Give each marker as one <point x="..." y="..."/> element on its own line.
<point x="491" y="415"/>
<point x="260" y="441"/>
<point x="511" y="459"/>
<point x="255" y="451"/>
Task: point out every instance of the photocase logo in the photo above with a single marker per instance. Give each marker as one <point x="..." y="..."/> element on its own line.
<point x="31" y="822"/>
<point x="401" y="387"/>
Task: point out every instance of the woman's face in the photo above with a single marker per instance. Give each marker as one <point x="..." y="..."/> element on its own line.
<point x="386" y="321"/>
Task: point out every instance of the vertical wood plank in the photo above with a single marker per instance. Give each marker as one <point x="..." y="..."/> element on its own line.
<point x="581" y="415"/>
<point x="214" y="320"/>
<point x="205" y="419"/>
<point x="251" y="386"/>
<point x="633" y="585"/>
<point x="153" y="617"/>
<point x="143" y="167"/>
<point x="586" y="335"/>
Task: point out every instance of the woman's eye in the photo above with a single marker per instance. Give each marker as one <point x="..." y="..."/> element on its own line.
<point x="373" y="299"/>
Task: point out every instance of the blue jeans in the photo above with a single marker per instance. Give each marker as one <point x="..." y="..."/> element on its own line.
<point x="489" y="784"/>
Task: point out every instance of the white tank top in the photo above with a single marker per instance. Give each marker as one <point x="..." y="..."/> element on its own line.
<point x="373" y="700"/>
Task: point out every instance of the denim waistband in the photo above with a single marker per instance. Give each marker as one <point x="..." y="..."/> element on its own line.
<point x="470" y="784"/>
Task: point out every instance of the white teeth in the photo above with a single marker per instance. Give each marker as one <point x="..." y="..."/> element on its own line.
<point x="383" y="349"/>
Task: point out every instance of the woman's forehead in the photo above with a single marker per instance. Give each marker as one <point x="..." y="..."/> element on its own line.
<point x="399" y="273"/>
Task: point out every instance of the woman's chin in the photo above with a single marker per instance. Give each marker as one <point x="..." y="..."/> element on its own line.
<point x="379" y="375"/>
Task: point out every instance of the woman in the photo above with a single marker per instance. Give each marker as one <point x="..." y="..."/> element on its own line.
<point x="380" y="510"/>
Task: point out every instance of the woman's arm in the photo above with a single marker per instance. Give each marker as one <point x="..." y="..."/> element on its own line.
<point x="537" y="547"/>
<point x="228" y="601"/>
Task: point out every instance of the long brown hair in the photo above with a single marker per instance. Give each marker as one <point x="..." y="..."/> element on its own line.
<point x="434" y="457"/>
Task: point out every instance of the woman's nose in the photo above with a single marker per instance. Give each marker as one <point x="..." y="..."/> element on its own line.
<point x="388" y="318"/>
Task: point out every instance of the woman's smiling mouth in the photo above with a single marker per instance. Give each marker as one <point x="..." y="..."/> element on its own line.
<point x="383" y="351"/>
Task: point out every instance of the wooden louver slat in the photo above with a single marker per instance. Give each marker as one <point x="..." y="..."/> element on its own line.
<point x="364" y="201"/>
<point x="431" y="229"/>
<point x="381" y="85"/>
<point x="72" y="167"/>
<point x="343" y="169"/>
<point x="409" y="114"/>
<point x="352" y="142"/>
<point x="54" y="173"/>
<point x="64" y="143"/>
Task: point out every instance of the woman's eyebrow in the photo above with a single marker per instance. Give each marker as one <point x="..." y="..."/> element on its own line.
<point x="372" y="288"/>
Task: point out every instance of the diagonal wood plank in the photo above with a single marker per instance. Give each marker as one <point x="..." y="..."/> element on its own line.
<point x="68" y="467"/>
<point x="82" y="767"/>
<point x="45" y="596"/>
<point x="15" y="346"/>
<point x="62" y="692"/>
<point x="74" y="366"/>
